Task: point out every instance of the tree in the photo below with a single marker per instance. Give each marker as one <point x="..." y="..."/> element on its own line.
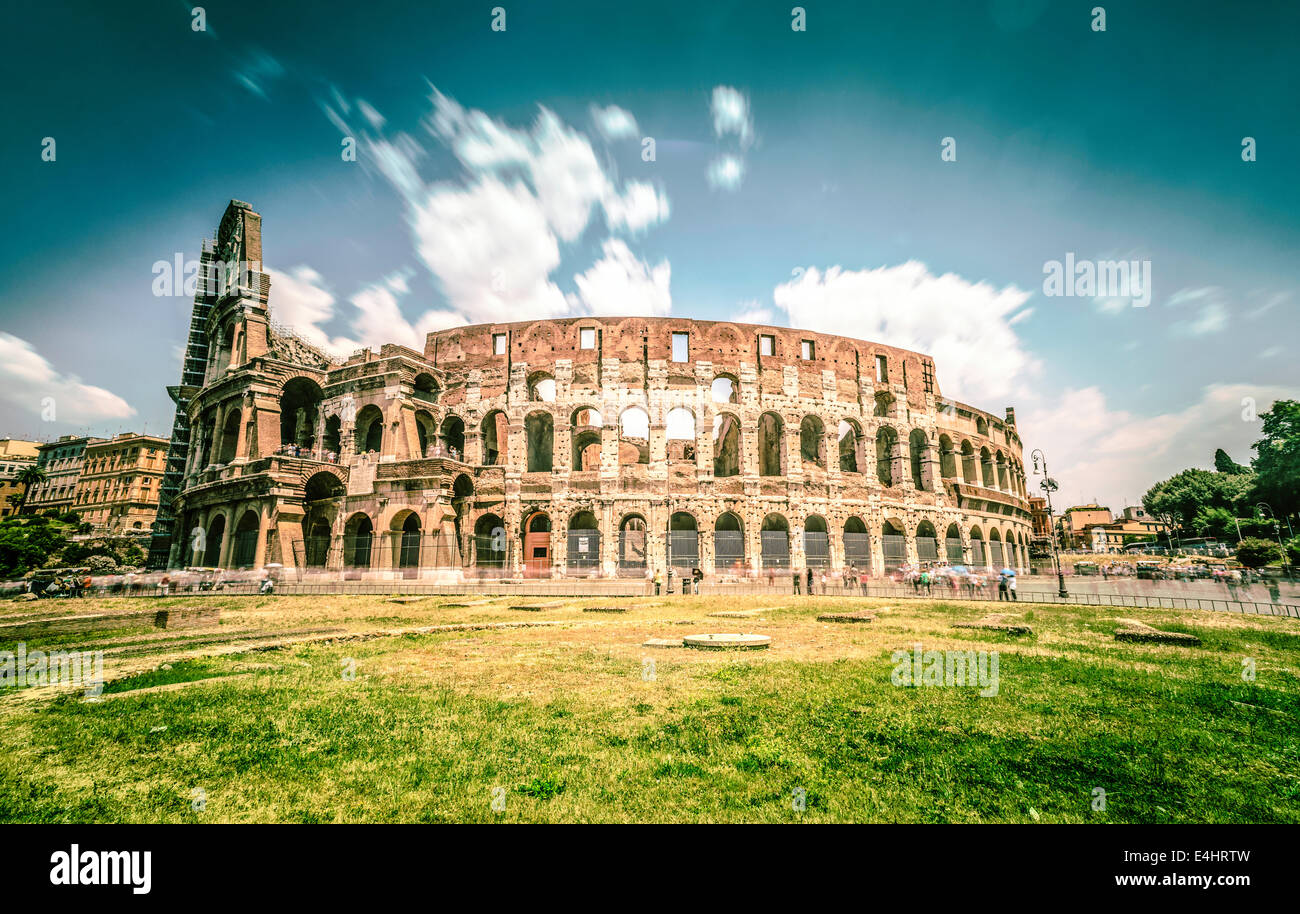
<point x="1181" y="498"/>
<point x="1277" y="460"/>
<point x="28" y="477"/>
<point x="1256" y="553"/>
<point x="1225" y="464"/>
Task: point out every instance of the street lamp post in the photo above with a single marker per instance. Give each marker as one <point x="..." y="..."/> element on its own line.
<point x="1277" y="532"/>
<point x="1048" y="486"/>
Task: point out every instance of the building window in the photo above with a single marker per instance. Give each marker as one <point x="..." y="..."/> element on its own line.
<point x="882" y="369"/>
<point x="681" y="347"/>
<point x="498" y="344"/>
<point x="806" y="350"/>
<point x="766" y="345"/>
<point x="587" y="338"/>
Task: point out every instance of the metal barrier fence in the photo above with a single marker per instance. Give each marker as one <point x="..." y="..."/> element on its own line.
<point x="683" y="548"/>
<point x="776" y="548"/>
<point x="817" y="549"/>
<point x="782" y="586"/>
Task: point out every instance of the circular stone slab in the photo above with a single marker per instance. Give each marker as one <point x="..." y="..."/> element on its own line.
<point x="728" y="642"/>
<point x="663" y="642"/>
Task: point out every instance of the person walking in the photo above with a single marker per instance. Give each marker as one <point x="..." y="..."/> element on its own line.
<point x="810" y="582"/>
<point x="794" y="579"/>
<point x="1011" y="587"/>
<point x="1002" y="588"/>
<point x="925" y="581"/>
<point x="659" y="580"/>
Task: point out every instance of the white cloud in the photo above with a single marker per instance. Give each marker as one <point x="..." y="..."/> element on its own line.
<point x="730" y="109"/>
<point x="640" y="206"/>
<point x="373" y="117"/>
<point x="613" y="122"/>
<point x="619" y="283"/>
<point x="753" y="313"/>
<point x="965" y="326"/>
<point x="726" y="172"/>
<point x="30" y="382"/>
<point x="1112" y="454"/>
<point x="301" y="301"/>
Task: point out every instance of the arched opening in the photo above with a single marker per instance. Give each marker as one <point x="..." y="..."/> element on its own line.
<point x="812" y="441"/>
<point x="425" y="388"/>
<point x="633" y="437"/>
<point x="541" y="388"/>
<point x="496" y="430"/>
<point x="212" y="547"/>
<point x="927" y="543"/>
<point x="683" y="540"/>
<point x="947" y="458"/>
<point x="997" y="558"/>
<point x="408" y="535"/>
<point x="322" y="486"/>
<point x="299" y="404"/>
<point x="679" y="428"/>
<point x="726" y="389"/>
<point x="968" y="463"/>
<point x="245" y="554"/>
<point x="774" y="538"/>
<point x="358" y="541"/>
<point x="816" y="542"/>
<point x="332" y="441"/>
<point x="893" y="545"/>
<point x="952" y="545"/>
<point x="539" y="432"/>
<point x="918" y="449"/>
<point x="884" y="405"/>
<point x="584" y="544"/>
<point x="982" y="426"/>
<point x="425" y="432"/>
<point x="537" y="546"/>
<point x="230" y="437"/>
<point x="726" y="445"/>
<point x="452" y="437"/>
<point x="586" y="426"/>
<point x="886" y="447"/>
<point x="1001" y="463"/>
<point x="370" y="430"/>
<point x="857" y="544"/>
<point x="978" y="557"/>
<point x="986" y="469"/>
<point x="632" y="546"/>
<point x="770" y="450"/>
<point x="729" y="543"/>
<point x="490" y="542"/>
<point x="850" y="439"/>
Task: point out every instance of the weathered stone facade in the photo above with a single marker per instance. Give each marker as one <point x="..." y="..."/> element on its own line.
<point x="586" y="446"/>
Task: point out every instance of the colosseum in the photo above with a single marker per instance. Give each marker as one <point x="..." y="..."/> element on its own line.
<point x="585" y="447"/>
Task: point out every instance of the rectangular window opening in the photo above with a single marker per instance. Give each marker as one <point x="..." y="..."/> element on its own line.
<point x="498" y="344"/>
<point x="766" y="345"/>
<point x="587" y="338"/>
<point x="807" y="350"/>
<point x="681" y="347"/>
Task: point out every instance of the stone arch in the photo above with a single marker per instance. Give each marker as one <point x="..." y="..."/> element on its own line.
<point x="425" y="388"/>
<point x="816" y="541"/>
<point x="370" y="429"/>
<point x="947" y="458"/>
<point x="300" y="400"/>
<point x="725" y="388"/>
<point x="1000" y="462"/>
<point x="407" y="533"/>
<point x="978" y="554"/>
<point x="883" y="408"/>
<point x="230" y="432"/>
<point x="952" y="545"/>
<point x="214" y="536"/>
<point x="541" y="387"/>
<point x="857" y="543"/>
<point x="496" y="437"/>
<point x="886" y="447"/>
<point x="850" y="440"/>
<point x="451" y="435"/>
<point x="425" y="431"/>
<point x="539" y="433"/>
<point x="774" y="540"/>
<point x="537" y="544"/>
<point x="583" y="554"/>
<point x="726" y="445"/>
<point x="986" y="469"/>
<point x="812" y="440"/>
<point x="489" y="541"/>
<point x="729" y="542"/>
<point x="244" y="554"/>
<point x="332" y="442"/>
<point x="683" y="540"/>
<point x="927" y="542"/>
<point x="981" y="426"/>
<point x="771" y="445"/>
<point x="997" y="557"/>
<point x="358" y="541"/>
<point x="633" y="437"/>
<point x="679" y="429"/>
<point x="586" y="425"/>
<point x="918" y="447"/>
<point x="893" y="544"/>
<point x="968" y="468"/>
<point x="632" y="536"/>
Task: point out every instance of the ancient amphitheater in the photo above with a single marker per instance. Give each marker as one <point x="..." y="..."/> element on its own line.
<point x="589" y="446"/>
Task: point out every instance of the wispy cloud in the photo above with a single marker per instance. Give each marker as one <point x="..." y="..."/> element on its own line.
<point x="29" y="382"/>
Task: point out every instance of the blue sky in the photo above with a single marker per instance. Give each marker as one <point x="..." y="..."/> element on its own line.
<point x="485" y="187"/>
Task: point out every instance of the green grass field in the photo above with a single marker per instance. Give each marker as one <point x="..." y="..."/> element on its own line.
<point x="570" y="722"/>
